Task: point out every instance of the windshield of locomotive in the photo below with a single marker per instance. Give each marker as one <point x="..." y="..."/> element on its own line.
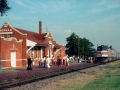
<point x="100" y="48"/>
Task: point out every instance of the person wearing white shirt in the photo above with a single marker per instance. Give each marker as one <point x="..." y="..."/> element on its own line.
<point x="48" y="62"/>
<point x="67" y="61"/>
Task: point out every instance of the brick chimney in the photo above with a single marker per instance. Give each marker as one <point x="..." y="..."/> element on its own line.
<point x="40" y="27"/>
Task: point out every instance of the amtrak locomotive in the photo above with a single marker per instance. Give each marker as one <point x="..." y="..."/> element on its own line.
<point x="105" y="54"/>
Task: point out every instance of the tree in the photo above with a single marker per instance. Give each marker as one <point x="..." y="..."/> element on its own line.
<point x="79" y="46"/>
<point x="86" y="47"/>
<point x="72" y="45"/>
<point x="4" y="7"/>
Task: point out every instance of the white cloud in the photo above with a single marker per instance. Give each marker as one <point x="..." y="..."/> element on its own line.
<point x="104" y="5"/>
<point x="56" y="6"/>
<point x="97" y="10"/>
<point x="110" y="4"/>
<point x="113" y="6"/>
<point x="19" y="2"/>
<point x="67" y="31"/>
<point x="49" y="6"/>
<point x="14" y="17"/>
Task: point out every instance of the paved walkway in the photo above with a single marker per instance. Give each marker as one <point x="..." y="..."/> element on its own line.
<point x="16" y="72"/>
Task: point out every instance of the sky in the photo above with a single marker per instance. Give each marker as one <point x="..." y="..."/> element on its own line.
<point x="96" y="20"/>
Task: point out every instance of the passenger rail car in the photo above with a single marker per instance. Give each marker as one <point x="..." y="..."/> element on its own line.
<point x="105" y="54"/>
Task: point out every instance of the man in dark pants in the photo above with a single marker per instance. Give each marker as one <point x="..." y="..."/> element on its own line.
<point x="44" y="62"/>
<point x="29" y="61"/>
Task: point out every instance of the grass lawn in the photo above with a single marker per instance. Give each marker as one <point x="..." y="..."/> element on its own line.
<point x="109" y="81"/>
<point x="104" y="78"/>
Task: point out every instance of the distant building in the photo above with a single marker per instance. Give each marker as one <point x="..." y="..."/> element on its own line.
<point x="17" y="44"/>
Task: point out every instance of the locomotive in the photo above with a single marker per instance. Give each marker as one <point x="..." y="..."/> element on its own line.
<point x="106" y="54"/>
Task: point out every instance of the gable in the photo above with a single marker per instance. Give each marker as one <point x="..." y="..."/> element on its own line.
<point x="8" y="29"/>
<point x="48" y="34"/>
<point x="32" y="37"/>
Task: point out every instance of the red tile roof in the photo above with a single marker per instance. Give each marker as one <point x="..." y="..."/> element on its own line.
<point x="33" y="36"/>
<point x="36" y="37"/>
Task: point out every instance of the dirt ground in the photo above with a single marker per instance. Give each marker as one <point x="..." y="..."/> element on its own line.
<point x="82" y="79"/>
<point x="69" y="81"/>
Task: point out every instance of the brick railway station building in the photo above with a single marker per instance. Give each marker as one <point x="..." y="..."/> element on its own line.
<point x="17" y="44"/>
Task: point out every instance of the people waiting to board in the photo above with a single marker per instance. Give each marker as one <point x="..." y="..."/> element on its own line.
<point x="42" y="62"/>
<point x="52" y="60"/>
<point x="45" y="62"/>
<point x="29" y="61"/>
<point x="90" y="59"/>
<point x="85" y="60"/>
<point x="58" y="61"/>
<point x="67" y="61"/>
<point x="48" y="62"/>
<point x="64" y="61"/>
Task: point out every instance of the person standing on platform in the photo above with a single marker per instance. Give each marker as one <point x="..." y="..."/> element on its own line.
<point x="90" y="58"/>
<point x="29" y="61"/>
<point x="52" y="60"/>
<point x="39" y="61"/>
<point x="44" y="62"/>
<point x="58" y="61"/>
<point x="48" y="62"/>
<point x="67" y="61"/>
<point x="61" y="61"/>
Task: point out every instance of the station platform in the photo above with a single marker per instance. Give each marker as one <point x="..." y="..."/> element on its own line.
<point x="22" y="71"/>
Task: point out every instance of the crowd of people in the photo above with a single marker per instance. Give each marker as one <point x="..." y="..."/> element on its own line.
<point x="46" y="62"/>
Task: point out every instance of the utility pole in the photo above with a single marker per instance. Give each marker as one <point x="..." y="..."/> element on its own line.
<point x="78" y="48"/>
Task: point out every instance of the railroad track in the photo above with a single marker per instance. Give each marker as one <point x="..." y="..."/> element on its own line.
<point x="21" y="80"/>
